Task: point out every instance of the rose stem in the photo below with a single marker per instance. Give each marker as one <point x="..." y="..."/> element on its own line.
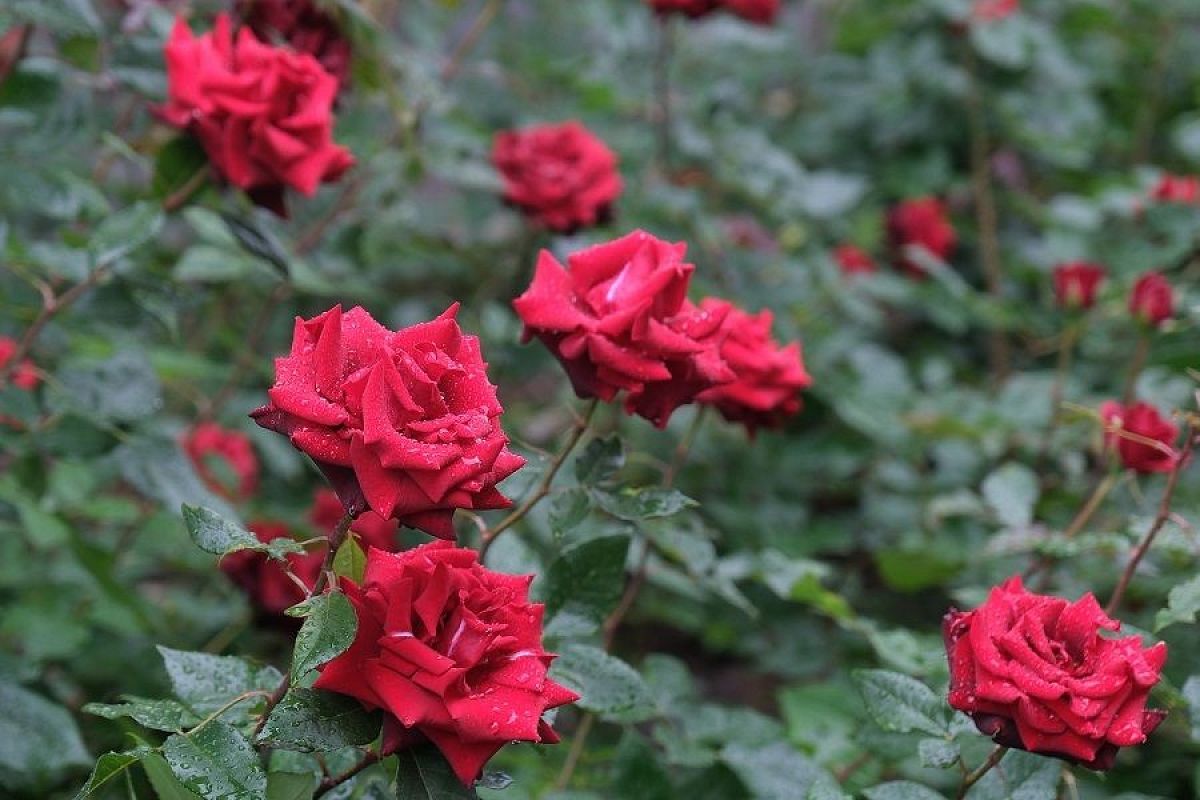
<point x="1164" y="513"/>
<point x="484" y="18"/>
<point x="543" y="488"/>
<point x="1070" y="335"/>
<point x="662" y="88"/>
<point x="1135" y="368"/>
<point x="179" y="198"/>
<point x="973" y="778"/>
<point x="334" y="781"/>
<point x="1081" y="519"/>
<point x="613" y="623"/>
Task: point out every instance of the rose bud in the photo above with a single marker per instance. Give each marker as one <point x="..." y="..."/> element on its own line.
<point x="1184" y="189"/>
<point x="1154" y="448"/>
<point x="618" y="319"/>
<point x="209" y="442"/>
<point x="306" y="28"/>
<point x="853" y="261"/>
<point x="372" y="530"/>
<point x="1075" y="284"/>
<point x="404" y="423"/>
<point x="451" y="651"/>
<point x="263" y="114"/>
<point x="769" y="378"/>
<point x="1034" y="673"/>
<point x="922" y="223"/>
<point x="1152" y="300"/>
<point x="563" y="176"/>
<point x="265" y="581"/>
<point x="689" y="8"/>
<point x="24" y="375"/>
<point x="993" y="10"/>
<point x="760" y="12"/>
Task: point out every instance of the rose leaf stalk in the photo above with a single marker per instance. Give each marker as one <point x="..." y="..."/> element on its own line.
<point x="977" y="774"/>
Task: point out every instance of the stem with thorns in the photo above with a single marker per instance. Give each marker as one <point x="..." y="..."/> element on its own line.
<point x="974" y="777"/>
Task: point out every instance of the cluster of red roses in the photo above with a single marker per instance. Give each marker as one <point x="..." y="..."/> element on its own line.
<point x="918" y="231"/>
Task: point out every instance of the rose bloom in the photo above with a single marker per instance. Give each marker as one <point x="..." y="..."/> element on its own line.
<point x="1076" y="282"/>
<point x="769" y="378"/>
<point x="24" y="375"/>
<point x="563" y="176"/>
<point x="1152" y="299"/>
<point x="992" y="10"/>
<point x="921" y="222"/>
<point x="305" y="27"/>
<point x="852" y="260"/>
<point x="1144" y="421"/>
<point x="263" y="114"/>
<point x="207" y="442"/>
<point x="1034" y="673"/>
<point x="1176" y="189"/>
<point x="371" y="529"/>
<point x="265" y="581"/>
<point x="618" y="319"/>
<point x="451" y="651"/>
<point x="690" y="8"/>
<point x="402" y="422"/>
<point x="760" y="12"/>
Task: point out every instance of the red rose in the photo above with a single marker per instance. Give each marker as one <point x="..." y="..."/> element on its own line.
<point x="208" y="441"/>
<point x="451" y="651"/>
<point x="405" y="422"/>
<point x="761" y="12"/>
<point x="24" y="375"/>
<point x="920" y="223"/>
<point x="1176" y="189"/>
<point x="263" y="114"/>
<point x="563" y="176"/>
<point x="769" y="377"/>
<point x="690" y="8"/>
<point x="853" y="261"/>
<point x="1154" y="448"/>
<point x="1152" y="300"/>
<point x="372" y="529"/>
<point x="992" y="10"/>
<point x="305" y="27"/>
<point x="265" y="581"/>
<point x="619" y="319"/>
<point x="1076" y="282"/>
<point x="1034" y="673"/>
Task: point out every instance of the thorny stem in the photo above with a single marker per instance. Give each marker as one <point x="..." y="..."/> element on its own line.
<point x="974" y="777"/>
<point x="335" y="541"/>
<point x="662" y="88"/>
<point x="1080" y="520"/>
<point x="178" y="198"/>
<point x="543" y="487"/>
<point x="486" y="14"/>
<point x="333" y="781"/>
<point x="1160" y="519"/>
<point x="272" y="701"/>
<point x="576" y="751"/>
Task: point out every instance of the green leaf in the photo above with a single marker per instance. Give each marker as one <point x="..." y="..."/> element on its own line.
<point x="291" y="785"/>
<point x="1183" y="603"/>
<point x="901" y="790"/>
<point x="587" y="580"/>
<point x="207" y="263"/>
<point x="327" y="631"/>
<point x="779" y="772"/>
<point x="350" y="561"/>
<point x="1011" y="491"/>
<point x="108" y="767"/>
<point x="569" y="509"/>
<point x="1020" y="776"/>
<point x="639" y="504"/>
<point x="123" y="388"/>
<point x="900" y="703"/>
<point x="38" y="739"/>
<point x="938" y="753"/>
<point x="424" y="774"/>
<point x="206" y="682"/>
<point x="606" y="684"/>
<point x="166" y="785"/>
<point x="637" y="771"/>
<point x="175" y="164"/>
<point x="212" y="533"/>
<point x="258" y="242"/>
<point x="600" y="460"/>
<point x="217" y="763"/>
<point x="309" y="720"/>
<point x="158" y="469"/>
<point x="1191" y="695"/>
<point x="124" y="232"/>
<point x="158" y="715"/>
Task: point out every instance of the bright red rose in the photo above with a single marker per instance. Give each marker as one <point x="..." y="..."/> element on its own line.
<point x="1152" y="300"/>
<point x="1177" y="189"/>
<point x="404" y="423"/>
<point x="1154" y="448"/>
<point x="760" y="12"/>
<point x="992" y="10"/>
<point x="305" y="27"/>
<point x="208" y="441"/>
<point x="1076" y="282"/>
<point x="923" y="223"/>
<point x="1034" y="673"/>
<point x="563" y="176"/>
<point x="372" y="530"/>
<point x="690" y="8"/>
<point x="24" y="375"/>
<point x="263" y="114"/>
<point x="618" y="319"/>
<point x="853" y="261"/>
<point x="265" y="581"/>
<point x="449" y="650"/>
<point x="769" y="377"/>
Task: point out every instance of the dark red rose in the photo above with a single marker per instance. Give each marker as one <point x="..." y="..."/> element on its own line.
<point x="563" y="176"/>
<point x="1176" y="189"/>
<point x="263" y="114"/>
<point x="1076" y="282"/>
<point x="372" y="530"/>
<point x="690" y="8"/>
<point x="1152" y="300"/>
<point x="1034" y="673"/>
<point x="404" y="423"/>
<point x="853" y="261"/>
<point x="922" y="223"/>
<point x="208" y="441"/>
<point x="265" y="581"/>
<point x="1151" y="447"/>
<point x="449" y="650"/>
<point x="992" y="10"/>
<point x="24" y="375"/>
<point x="760" y="12"/>
<point x="769" y="378"/>
<point x="305" y="27"/>
<point x="618" y="319"/>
